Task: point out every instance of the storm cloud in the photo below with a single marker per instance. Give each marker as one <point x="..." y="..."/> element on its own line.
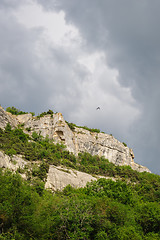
<point x="34" y="74"/>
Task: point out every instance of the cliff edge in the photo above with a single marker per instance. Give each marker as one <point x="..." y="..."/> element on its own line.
<point x="77" y="140"/>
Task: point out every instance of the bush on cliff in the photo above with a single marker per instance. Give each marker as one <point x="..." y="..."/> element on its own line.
<point x="15" y="111"/>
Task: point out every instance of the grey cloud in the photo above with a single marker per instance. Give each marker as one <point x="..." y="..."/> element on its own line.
<point x="35" y="75"/>
<point x="128" y="31"/>
<point x="11" y="4"/>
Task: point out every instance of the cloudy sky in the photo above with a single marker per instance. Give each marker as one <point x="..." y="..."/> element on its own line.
<point x="73" y="56"/>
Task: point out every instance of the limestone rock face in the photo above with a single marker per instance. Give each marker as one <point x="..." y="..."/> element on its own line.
<point x="103" y="145"/>
<point x="6" y="117"/>
<point x="54" y="127"/>
<point x="77" y="140"/>
<point x="11" y="163"/>
<point x="58" y="178"/>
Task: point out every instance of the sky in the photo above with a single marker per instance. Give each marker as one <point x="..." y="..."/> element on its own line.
<point x="73" y="56"/>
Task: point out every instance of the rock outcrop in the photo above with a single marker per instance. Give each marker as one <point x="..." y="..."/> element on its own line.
<point x="77" y="140"/>
<point x="11" y="163"/>
<point x="57" y="178"/>
<point x="6" y="117"/>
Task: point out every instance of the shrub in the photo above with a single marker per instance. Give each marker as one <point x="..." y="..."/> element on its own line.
<point x="36" y="136"/>
<point x="72" y="126"/>
<point x="41" y="171"/>
<point x="50" y="112"/>
<point x="15" y="111"/>
<point x="28" y="129"/>
<point x="8" y="127"/>
<point x="11" y="152"/>
<point x="124" y="144"/>
<point x="149" y="217"/>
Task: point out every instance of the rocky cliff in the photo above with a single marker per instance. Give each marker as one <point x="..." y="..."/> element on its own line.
<point x="78" y="140"/>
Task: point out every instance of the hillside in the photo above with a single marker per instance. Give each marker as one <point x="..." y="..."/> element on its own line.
<point x="76" y="139"/>
<point x="91" y="197"/>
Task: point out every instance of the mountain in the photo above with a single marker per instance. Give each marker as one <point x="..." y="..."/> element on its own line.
<point x="76" y="139"/>
<point x="59" y="181"/>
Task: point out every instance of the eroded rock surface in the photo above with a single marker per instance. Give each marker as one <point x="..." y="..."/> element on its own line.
<point x="78" y="140"/>
<point x="11" y="163"/>
<point x="6" y="117"/>
<point x="58" y="178"/>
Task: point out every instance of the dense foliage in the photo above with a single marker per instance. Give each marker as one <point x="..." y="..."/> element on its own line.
<point x="128" y="209"/>
<point x="102" y="210"/>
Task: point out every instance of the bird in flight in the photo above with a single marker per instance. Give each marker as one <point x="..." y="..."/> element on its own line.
<point x="98" y="108"/>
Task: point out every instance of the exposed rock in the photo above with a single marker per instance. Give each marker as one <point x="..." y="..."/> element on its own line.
<point x="24" y="118"/>
<point x="139" y="168"/>
<point x="57" y="177"/>
<point x="11" y="163"/>
<point x="54" y="127"/>
<point x="79" y="140"/>
<point x="6" y="117"/>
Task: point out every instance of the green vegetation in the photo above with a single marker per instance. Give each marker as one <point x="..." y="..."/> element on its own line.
<point x="16" y="111"/>
<point x="50" y="112"/>
<point x="127" y="209"/>
<point x="124" y="144"/>
<point x="72" y="127"/>
<point x="102" y="210"/>
<point x="34" y="148"/>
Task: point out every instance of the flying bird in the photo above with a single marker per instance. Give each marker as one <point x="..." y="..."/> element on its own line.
<point x="98" y="108"/>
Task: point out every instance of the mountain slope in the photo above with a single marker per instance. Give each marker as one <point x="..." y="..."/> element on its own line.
<point x="94" y="199"/>
<point x="76" y="139"/>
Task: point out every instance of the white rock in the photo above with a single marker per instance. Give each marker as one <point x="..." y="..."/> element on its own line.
<point x="12" y="163"/>
<point x="58" y="178"/>
<point x="79" y="140"/>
